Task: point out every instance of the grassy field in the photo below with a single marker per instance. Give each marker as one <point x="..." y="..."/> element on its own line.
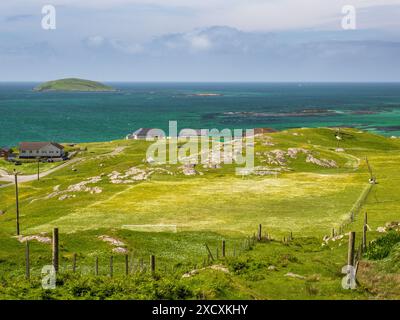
<point x="27" y="167"/>
<point x="172" y="215"/>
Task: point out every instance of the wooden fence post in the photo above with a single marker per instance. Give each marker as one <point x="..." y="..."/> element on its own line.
<point x="27" y="261"/>
<point x="350" y="254"/>
<point x="111" y="266"/>
<point x="209" y="252"/>
<point x="259" y="236"/>
<point x="55" y="249"/>
<point x="126" y="264"/>
<point x="74" y="263"/>
<point x="96" y="266"/>
<point x="17" y="201"/>
<point x="365" y="229"/>
<point x="223" y="248"/>
<point x="153" y="264"/>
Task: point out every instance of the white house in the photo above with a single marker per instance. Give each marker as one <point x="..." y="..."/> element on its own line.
<point x="41" y="149"/>
<point x="146" y="134"/>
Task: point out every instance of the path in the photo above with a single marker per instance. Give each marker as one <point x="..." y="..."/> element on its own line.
<point x="4" y="176"/>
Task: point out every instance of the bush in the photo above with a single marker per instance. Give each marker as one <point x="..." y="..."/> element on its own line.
<point x="381" y="248"/>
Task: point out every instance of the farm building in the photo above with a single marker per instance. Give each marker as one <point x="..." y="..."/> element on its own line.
<point x="5" y="152"/>
<point x="41" y="149"/>
<point x="146" y="134"/>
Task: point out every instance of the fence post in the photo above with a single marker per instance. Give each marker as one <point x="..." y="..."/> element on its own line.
<point x="153" y="264"/>
<point x="27" y="261"/>
<point x="209" y="252"/>
<point x="223" y="248"/>
<point x="74" y="263"/>
<point x="365" y="229"/>
<point x="96" y="266"/>
<point x="259" y="236"/>
<point x="16" y="201"/>
<point x="350" y="254"/>
<point x="111" y="266"/>
<point x="55" y="249"/>
<point x="126" y="264"/>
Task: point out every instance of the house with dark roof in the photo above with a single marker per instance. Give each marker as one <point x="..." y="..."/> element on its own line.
<point x="41" y="150"/>
<point x="5" y="152"/>
<point x="146" y="134"/>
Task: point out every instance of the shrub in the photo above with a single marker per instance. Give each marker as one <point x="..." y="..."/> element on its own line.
<point x="381" y="248"/>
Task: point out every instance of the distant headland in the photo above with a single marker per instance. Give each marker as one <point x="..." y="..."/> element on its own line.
<point x="73" y="84"/>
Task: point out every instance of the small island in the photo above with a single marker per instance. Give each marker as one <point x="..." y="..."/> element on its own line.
<point x="73" y="84"/>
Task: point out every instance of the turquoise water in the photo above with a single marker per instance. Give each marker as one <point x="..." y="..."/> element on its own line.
<point x="77" y="117"/>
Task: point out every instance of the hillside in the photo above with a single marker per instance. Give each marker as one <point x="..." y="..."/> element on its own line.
<point x="111" y="202"/>
<point x="73" y="84"/>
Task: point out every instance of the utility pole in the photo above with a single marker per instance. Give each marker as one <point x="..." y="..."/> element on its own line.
<point x="38" y="167"/>
<point x="16" y="199"/>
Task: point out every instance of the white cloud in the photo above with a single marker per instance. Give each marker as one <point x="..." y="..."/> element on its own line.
<point x="95" y="41"/>
<point x="265" y="15"/>
<point x="132" y="48"/>
<point x="199" y="42"/>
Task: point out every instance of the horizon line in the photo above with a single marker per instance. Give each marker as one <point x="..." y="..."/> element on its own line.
<point x="222" y="81"/>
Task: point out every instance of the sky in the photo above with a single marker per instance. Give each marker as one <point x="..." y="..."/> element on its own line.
<point x="200" y="40"/>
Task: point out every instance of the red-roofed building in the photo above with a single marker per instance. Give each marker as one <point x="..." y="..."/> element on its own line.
<point x="41" y="149"/>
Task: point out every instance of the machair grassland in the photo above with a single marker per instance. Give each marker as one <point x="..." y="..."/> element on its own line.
<point x="172" y="216"/>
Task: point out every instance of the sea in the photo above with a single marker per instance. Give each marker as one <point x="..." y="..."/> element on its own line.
<point x="26" y="115"/>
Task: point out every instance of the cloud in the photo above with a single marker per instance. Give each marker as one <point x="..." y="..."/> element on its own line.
<point x="199" y="42"/>
<point x="132" y="48"/>
<point x="94" y="41"/>
<point x="18" y="17"/>
<point x="27" y="50"/>
<point x="262" y="15"/>
<point x="227" y="41"/>
<point x="202" y="40"/>
<point x="102" y="44"/>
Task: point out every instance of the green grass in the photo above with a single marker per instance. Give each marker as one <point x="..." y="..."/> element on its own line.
<point x="27" y="167"/>
<point x="307" y="200"/>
